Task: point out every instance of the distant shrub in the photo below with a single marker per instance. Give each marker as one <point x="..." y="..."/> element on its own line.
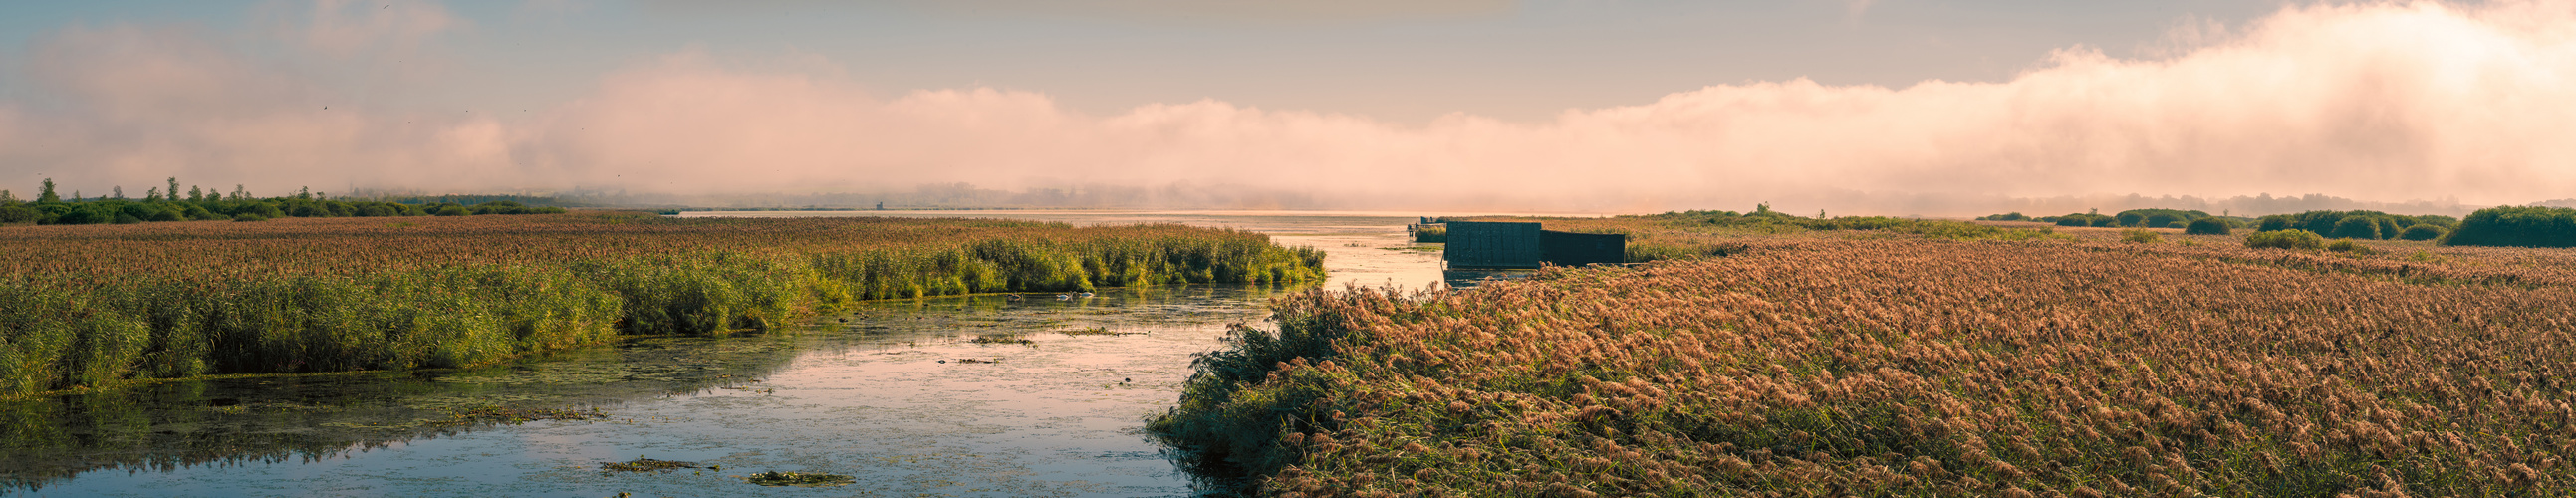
<point x="2286" y="239"/>
<point x="2272" y="223"/>
<point x="2205" y="226"/>
<point x="2422" y="232"/>
<point x="2518" y="226"/>
<point x="2355" y="227"/>
<point x="2013" y="216"/>
<point x="18" y="214"/>
<point x="2087" y="220"/>
<point x="2140" y="236"/>
<point x="2347" y="245"/>
<point x="454" y="211"/>
<point x="249" y="217"/>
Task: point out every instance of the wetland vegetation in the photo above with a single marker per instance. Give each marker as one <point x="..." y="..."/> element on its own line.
<point x="91" y="306"/>
<point x="1766" y="355"/>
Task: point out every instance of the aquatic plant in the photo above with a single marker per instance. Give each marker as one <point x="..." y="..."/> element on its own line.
<point x="810" y="480"/>
<point x="641" y="464"/>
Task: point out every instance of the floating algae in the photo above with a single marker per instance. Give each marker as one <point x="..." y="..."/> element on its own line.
<point x="809" y="480"/>
<point x="641" y="464"/>
<point x="1097" y="331"/>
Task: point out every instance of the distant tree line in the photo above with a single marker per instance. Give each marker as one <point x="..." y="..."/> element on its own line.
<point x="2366" y="225"/>
<point x="157" y="204"/>
<point x="2192" y="222"/>
<point x="2520" y="226"/>
<point x="2516" y="226"/>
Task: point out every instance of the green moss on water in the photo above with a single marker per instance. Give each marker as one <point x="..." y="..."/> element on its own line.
<point x="809" y="480"/>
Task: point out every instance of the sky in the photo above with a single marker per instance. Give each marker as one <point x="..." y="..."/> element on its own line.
<point x="1863" y="106"/>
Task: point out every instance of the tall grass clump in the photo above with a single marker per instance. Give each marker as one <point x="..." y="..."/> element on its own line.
<point x="1429" y="234"/>
<point x="91" y="305"/>
<point x="1910" y="367"/>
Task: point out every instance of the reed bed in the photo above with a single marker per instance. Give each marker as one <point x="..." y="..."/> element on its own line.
<point x="1853" y="364"/>
<point x="90" y="305"/>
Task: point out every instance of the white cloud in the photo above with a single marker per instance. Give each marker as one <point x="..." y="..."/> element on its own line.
<point x="2376" y="101"/>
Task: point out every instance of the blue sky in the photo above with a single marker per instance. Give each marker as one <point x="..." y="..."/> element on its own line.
<point x="1883" y="106"/>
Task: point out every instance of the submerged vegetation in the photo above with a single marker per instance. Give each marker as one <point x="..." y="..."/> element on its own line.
<point x="1836" y="363"/>
<point x="810" y="480"/>
<point x="89" y="306"/>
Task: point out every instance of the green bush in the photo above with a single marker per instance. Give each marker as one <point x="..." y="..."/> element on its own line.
<point x="2286" y="239"/>
<point x="249" y="217"/>
<point x="2517" y="226"/>
<point x="2140" y="236"/>
<point x="2347" y="245"/>
<point x="2206" y="226"/>
<point x="2087" y="220"/>
<point x="2422" y="231"/>
<point x="18" y="214"/>
<point x="2356" y="227"/>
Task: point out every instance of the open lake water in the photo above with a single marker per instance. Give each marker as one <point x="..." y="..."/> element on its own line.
<point x="898" y="394"/>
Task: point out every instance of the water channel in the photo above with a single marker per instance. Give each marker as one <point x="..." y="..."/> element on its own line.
<point x="898" y="394"/>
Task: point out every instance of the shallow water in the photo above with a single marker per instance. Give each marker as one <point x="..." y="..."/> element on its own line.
<point x="882" y="394"/>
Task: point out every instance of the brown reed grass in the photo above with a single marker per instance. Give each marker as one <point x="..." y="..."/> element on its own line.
<point x="1838" y="365"/>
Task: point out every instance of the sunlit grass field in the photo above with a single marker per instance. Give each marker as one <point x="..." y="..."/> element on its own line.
<point x="1887" y="363"/>
<point x="84" y="306"/>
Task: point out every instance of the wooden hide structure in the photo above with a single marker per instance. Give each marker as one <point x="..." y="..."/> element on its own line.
<point x="1480" y="245"/>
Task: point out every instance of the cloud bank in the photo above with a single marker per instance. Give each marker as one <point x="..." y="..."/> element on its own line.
<point x="2381" y="101"/>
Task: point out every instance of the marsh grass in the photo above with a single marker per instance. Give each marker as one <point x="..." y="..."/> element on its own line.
<point x="1835" y="366"/>
<point x="93" y="305"/>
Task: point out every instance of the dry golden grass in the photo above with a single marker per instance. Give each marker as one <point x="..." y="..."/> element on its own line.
<point x="1835" y="365"/>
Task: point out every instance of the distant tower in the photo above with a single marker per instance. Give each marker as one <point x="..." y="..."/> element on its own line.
<point x="880" y="205"/>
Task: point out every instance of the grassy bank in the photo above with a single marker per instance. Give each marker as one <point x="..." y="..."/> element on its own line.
<point x="89" y="305"/>
<point x="1854" y="363"/>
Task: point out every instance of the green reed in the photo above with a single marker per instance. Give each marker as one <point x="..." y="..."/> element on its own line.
<point x="65" y="329"/>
